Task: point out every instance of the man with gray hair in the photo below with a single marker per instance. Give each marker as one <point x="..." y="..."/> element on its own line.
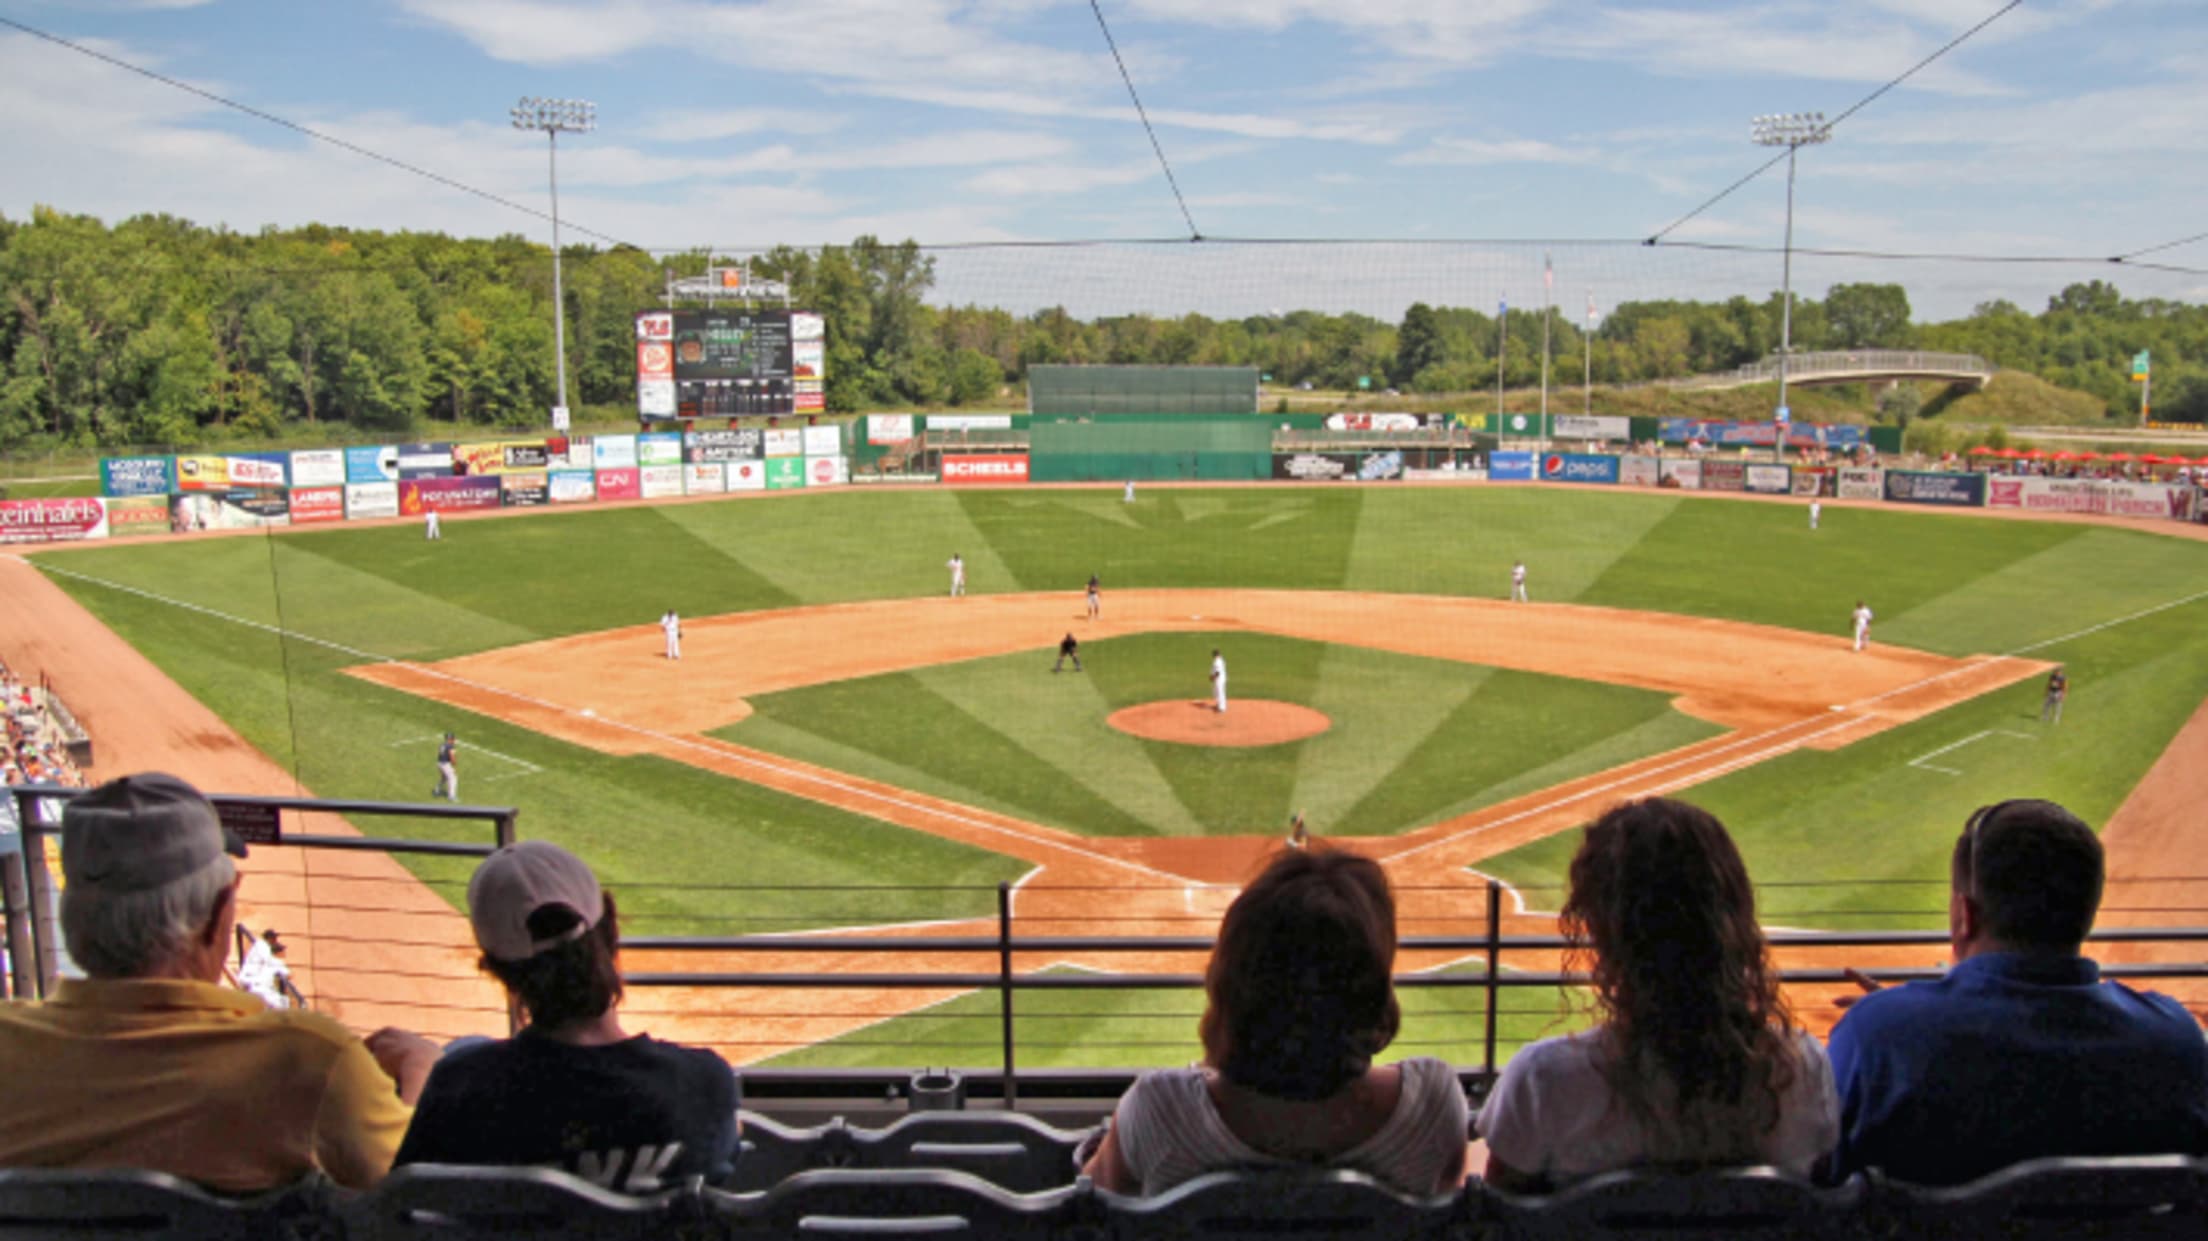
<point x="148" y="1062"/>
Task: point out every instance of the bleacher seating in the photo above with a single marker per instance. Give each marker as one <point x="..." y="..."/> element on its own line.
<point x="1007" y="1149"/>
<point x="2154" y="1197"/>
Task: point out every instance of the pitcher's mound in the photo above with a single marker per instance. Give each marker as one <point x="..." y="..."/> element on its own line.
<point x="1245" y="722"/>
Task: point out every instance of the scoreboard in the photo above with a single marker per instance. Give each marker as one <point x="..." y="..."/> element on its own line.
<point x="729" y="363"/>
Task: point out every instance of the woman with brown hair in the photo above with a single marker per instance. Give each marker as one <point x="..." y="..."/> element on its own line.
<point x="1697" y="1061"/>
<point x="1300" y="999"/>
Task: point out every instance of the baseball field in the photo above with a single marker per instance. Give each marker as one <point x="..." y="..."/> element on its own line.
<point x="844" y="746"/>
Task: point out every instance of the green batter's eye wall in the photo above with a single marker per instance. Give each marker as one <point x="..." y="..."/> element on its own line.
<point x="1210" y="448"/>
<point x="1086" y="391"/>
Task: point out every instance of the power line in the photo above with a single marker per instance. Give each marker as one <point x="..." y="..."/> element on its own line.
<point x="1834" y="123"/>
<point x="296" y="127"/>
<point x="2167" y="245"/>
<point x="1194" y="233"/>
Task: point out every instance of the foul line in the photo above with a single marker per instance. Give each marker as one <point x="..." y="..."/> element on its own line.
<point x="2121" y="620"/>
<point x="532" y="768"/>
<point x="1919" y="762"/>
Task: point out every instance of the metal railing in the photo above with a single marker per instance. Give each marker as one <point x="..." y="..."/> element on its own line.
<point x="1830" y="364"/>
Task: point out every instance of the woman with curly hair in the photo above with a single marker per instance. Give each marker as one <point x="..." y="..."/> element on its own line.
<point x="1300" y="1001"/>
<point x="1696" y="1060"/>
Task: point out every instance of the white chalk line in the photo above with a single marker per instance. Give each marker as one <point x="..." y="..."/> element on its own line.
<point x="528" y="768"/>
<point x="1919" y="762"/>
<point x="2121" y="620"/>
<point x="719" y="749"/>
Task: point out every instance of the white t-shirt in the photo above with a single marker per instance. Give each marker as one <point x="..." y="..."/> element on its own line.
<point x="1552" y="1115"/>
<point x="1170" y="1131"/>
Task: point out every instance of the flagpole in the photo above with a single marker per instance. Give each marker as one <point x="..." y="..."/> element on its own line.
<point x="1587" y="353"/>
<point x="1548" y="290"/>
<point x="1502" y="343"/>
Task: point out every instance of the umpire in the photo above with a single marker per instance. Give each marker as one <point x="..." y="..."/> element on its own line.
<point x="1068" y="648"/>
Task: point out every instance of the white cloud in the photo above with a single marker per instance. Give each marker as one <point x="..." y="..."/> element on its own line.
<point x="699" y="125"/>
<point x="1471" y="151"/>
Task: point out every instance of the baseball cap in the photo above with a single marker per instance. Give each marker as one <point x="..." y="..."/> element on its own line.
<point x="140" y="833"/>
<point x="517" y="881"/>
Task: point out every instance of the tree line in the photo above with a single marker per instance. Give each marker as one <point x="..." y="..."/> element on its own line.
<point x="159" y="331"/>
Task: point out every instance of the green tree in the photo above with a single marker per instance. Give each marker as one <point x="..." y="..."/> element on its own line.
<point x="1867" y="316"/>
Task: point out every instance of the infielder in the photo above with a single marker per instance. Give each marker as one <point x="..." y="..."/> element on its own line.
<point x="448" y="772"/>
<point x="1816" y="510"/>
<point x="1096" y="602"/>
<point x="671" y="626"/>
<point x="1298" y="836"/>
<point x="430" y="528"/>
<point x="1218" y="682"/>
<point x="1518" y="583"/>
<point x="1862" y="624"/>
<point x="1068" y="648"/>
<point x="957" y="566"/>
<point x="2058" y="688"/>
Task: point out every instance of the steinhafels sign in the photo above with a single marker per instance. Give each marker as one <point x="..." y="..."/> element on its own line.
<point x="1001" y="469"/>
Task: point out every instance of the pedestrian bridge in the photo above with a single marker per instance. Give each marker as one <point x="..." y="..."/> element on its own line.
<point x="1851" y="366"/>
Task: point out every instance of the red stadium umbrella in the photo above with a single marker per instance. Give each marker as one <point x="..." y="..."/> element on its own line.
<point x="2118" y="456"/>
<point x="2089" y="455"/>
<point x="1982" y="450"/>
<point x="2009" y="454"/>
<point x="2152" y="458"/>
<point x="2035" y="455"/>
<point x="2064" y="456"/>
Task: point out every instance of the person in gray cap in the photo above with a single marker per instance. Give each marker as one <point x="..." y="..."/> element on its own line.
<point x="148" y="1062"/>
<point x="573" y="1090"/>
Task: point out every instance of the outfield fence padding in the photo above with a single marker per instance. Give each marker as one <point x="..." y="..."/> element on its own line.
<point x="1221" y="449"/>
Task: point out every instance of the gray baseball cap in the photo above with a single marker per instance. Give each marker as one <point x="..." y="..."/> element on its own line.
<point x="140" y="833"/>
<point x="521" y="879"/>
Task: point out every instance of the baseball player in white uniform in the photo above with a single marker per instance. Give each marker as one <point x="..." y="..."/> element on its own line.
<point x="1816" y="510"/>
<point x="1518" y="583"/>
<point x="1862" y="624"/>
<point x="1218" y="682"/>
<point x="430" y="527"/>
<point x="957" y="566"/>
<point x="671" y="626"/>
<point x="263" y="971"/>
<point x="1128" y="497"/>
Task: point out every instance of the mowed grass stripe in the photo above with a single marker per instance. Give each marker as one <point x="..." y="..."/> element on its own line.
<point x="1430" y="540"/>
<point x="1343" y="768"/>
<point x="1053" y="540"/>
<point x="842" y="546"/>
<point x="2093" y="576"/>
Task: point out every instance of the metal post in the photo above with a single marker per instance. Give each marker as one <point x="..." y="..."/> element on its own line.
<point x="1502" y="346"/>
<point x="22" y="946"/>
<point x="1004" y="991"/>
<point x="1786" y="310"/>
<point x="1587" y="356"/>
<point x="502" y="830"/>
<point x="559" y="297"/>
<point x="45" y="919"/>
<point x="1494" y="967"/>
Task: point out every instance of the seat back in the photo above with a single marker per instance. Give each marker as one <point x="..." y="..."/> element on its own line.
<point x="908" y="1202"/>
<point x="2146" y="1196"/>
<point x="433" y="1202"/>
<point x="1747" y="1204"/>
<point x="1224" y="1206"/>
<point x="37" y="1203"/>
<point x="1011" y="1151"/>
<point x="772" y="1151"/>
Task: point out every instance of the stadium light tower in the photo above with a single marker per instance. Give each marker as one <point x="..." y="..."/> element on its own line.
<point x="556" y="117"/>
<point x="1792" y="130"/>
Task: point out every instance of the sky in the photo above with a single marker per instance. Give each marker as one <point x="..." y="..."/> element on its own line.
<point x="1478" y="137"/>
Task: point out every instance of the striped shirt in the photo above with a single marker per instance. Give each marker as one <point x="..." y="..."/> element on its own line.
<point x="1169" y="1131"/>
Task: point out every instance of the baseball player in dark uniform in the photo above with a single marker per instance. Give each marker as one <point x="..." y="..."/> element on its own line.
<point x="2058" y="688"/>
<point x="1096" y="601"/>
<point x="448" y="774"/>
<point x="1068" y="648"/>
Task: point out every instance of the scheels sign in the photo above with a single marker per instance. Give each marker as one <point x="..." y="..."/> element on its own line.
<point x="1002" y="468"/>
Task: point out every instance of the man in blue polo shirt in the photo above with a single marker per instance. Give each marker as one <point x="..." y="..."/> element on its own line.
<point x="2022" y="1050"/>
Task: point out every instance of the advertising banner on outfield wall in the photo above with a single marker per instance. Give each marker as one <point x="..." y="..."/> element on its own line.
<point x="823" y="441"/>
<point x="1639" y="471"/>
<point x="525" y="489"/>
<point x="1812" y="482"/>
<point x="1685" y="473"/>
<point x="228" y="510"/>
<point x="447" y="495"/>
<point x="1770" y="480"/>
<point x="985" y="469"/>
<point x="369" y="500"/>
<point x="969" y="422"/>
<point x="572" y="486"/>
<point x="1469" y="474"/>
<point x="1372" y="422"/>
<point x="229" y="473"/>
<point x="2150" y="500"/>
<point x="710" y="478"/>
<point x="888" y="428"/>
<point x="1946" y="490"/>
<point x="827" y="471"/>
<point x="657" y="482"/>
<point x="2047" y="495"/>
<point x="417" y="461"/>
<point x="569" y="453"/>
<point x="785" y="473"/>
<point x="785" y="442"/>
<point x="375" y="463"/>
<point x="1842" y="436"/>
<point x="661" y="449"/>
<point x="1518" y="426"/>
<point x="501" y="457"/>
<point x="1314" y="467"/>
<point x="319" y="467"/>
<point x="313" y="505"/>
<point x="1724" y="476"/>
<point x="137" y="476"/>
<point x="52" y="521"/>
<point x="1578" y="467"/>
<point x="134" y="515"/>
<point x="1590" y="427"/>
<point x="1859" y="483"/>
<point x="747" y="476"/>
<point x="613" y="452"/>
<point x="1375" y="467"/>
<point x="1512" y="466"/>
<point x="621" y="484"/>
<point x="719" y="447"/>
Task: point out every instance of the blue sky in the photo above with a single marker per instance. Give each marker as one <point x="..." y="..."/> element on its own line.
<point x="2067" y="127"/>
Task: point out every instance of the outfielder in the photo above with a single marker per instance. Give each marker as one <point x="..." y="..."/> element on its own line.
<point x="1068" y="648"/>
<point x="1862" y="624"/>
<point x="957" y="566"/>
<point x="2058" y="688"/>
<point x="1816" y="510"/>
<point x="671" y="626"/>
<point x="1096" y="602"/>
<point x="448" y="771"/>
<point x="1518" y="583"/>
<point x="1128" y="497"/>
<point x="430" y="528"/>
<point x="1218" y="682"/>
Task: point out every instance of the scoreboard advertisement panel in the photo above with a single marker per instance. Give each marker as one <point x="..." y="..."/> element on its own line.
<point x="733" y="363"/>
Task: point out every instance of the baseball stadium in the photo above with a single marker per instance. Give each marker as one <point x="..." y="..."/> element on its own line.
<point x="935" y="650"/>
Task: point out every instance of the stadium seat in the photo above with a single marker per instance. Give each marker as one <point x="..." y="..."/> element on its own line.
<point x="1223" y="1206"/>
<point x="898" y="1203"/>
<point x="1009" y="1150"/>
<point x="1762" y="1204"/>
<point x="2141" y="1196"/>
<point x="435" y="1202"/>
<point x="121" y="1203"/>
